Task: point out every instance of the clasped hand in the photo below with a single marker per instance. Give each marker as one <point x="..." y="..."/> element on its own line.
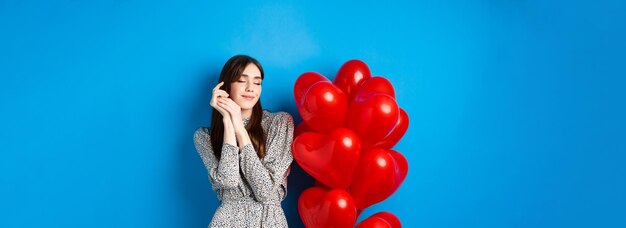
<point x="226" y="106"/>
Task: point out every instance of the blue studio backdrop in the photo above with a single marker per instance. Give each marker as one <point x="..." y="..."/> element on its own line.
<point x="516" y="107"/>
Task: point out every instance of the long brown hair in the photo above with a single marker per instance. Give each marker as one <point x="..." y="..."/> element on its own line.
<point x="231" y="72"/>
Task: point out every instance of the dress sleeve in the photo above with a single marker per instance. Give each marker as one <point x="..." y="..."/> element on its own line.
<point x="265" y="177"/>
<point x="223" y="173"/>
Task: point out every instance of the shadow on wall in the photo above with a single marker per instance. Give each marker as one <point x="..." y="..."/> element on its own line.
<point x="298" y="182"/>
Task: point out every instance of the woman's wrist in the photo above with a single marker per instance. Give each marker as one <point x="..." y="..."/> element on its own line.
<point x="226" y="120"/>
<point x="229" y="132"/>
<point x="240" y="130"/>
<point x="228" y="124"/>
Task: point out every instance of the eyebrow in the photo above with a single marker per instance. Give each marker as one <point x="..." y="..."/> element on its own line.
<point x="255" y="77"/>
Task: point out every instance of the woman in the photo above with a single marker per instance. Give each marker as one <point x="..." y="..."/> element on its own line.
<point x="249" y="168"/>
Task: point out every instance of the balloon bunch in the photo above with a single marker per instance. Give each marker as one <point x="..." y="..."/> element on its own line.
<point x="345" y="141"/>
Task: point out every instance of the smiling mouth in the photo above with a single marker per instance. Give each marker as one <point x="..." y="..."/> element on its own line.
<point x="248" y="97"/>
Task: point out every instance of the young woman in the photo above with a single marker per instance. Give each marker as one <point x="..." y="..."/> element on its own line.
<point x="247" y="150"/>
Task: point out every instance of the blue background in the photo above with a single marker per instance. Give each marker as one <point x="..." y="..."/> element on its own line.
<point x="517" y="107"/>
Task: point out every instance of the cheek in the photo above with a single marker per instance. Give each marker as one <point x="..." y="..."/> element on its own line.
<point x="234" y="90"/>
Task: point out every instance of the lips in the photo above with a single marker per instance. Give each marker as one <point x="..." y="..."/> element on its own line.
<point x="248" y="97"/>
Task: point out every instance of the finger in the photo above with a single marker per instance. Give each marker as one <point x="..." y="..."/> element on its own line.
<point x="216" y="96"/>
<point x="223" y="101"/>
<point x="218" y="108"/>
<point x="218" y="86"/>
<point x="228" y="100"/>
<point x="220" y="105"/>
<point x="232" y="103"/>
<point x="221" y="93"/>
<point x="229" y="103"/>
<point x="221" y="110"/>
<point x="225" y="106"/>
<point x="214" y="102"/>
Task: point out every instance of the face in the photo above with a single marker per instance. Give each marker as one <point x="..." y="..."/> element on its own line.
<point x="246" y="90"/>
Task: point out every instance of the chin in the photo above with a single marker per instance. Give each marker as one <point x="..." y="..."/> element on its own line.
<point x="247" y="105"/>
<point x="244" y="104"/>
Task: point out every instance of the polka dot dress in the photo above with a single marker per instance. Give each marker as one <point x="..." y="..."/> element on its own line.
<point x="250" y="189"/>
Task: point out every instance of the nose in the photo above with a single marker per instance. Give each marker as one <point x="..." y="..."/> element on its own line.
<point x="249" y="88"/>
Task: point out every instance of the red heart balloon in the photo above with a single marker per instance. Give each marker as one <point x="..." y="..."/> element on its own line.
<point x="324" y="107"/>
<point x="304" y="83"/>
<point x="396" y="134"/>
<point x="351" y="75"/>
<point x="331" y="158"/>
<point x="402" y="166"/>
<point x="301" y="128"/>
<point x="373" y="222"/>
<point x="390" y="218"/>
<point x="378" y="174"/>
<point x="373" y="118"/>
<point x="375" y="85"/>
<point x="322" y="185"/>
<point x="321" y="208"/>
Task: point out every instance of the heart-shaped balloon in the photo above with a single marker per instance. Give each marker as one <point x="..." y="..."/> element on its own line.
<point x="304" y="83"/>
<point x="301" y="128"/>
<point x="374" y="118"/>
<point x="324" y="107"/>
<point x="330" y="158"/>
<point x="392" y="219"/>
<point x="375" y="85"/>
<point x="351" y="75"/>
<point x="378" y="174"/>
<point x="321" y="208"/>
<point x="374" y="222"/>
<point x="396" y="134"/>
<point x="322" y="185"/>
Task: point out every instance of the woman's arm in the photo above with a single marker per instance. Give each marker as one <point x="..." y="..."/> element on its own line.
<point x="223" y="173"/>
<point x="265" y="177"/>
<point x="218" y="98"/>
<point x="239" y="132"/>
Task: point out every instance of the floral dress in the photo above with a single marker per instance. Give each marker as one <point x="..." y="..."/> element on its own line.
<point x="250" y="189"/>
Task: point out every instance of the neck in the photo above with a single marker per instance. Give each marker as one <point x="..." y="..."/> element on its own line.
<point x="246" y="113"/>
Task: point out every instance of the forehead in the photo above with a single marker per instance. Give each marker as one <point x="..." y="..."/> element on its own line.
<point x="252" y="71"/>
